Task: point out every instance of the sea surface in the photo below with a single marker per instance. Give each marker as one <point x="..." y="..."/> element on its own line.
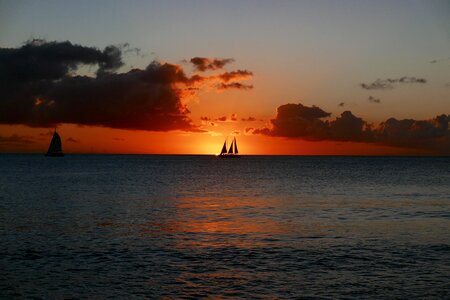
<point x="147" y="226"/>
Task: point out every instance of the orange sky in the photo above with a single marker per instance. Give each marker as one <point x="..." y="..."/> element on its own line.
<point x="77" y="139"/>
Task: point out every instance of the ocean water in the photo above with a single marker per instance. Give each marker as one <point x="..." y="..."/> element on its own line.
<point x="130" y="226"/>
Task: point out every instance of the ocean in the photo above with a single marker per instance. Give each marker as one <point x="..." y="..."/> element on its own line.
<point x="149" y="226"/>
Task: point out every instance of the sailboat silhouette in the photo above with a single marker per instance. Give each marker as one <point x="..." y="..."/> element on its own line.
<point x="55" y="148"/>
<point x="232" y="151"/>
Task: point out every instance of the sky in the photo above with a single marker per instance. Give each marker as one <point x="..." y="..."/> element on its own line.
<point x="179" y="77"/>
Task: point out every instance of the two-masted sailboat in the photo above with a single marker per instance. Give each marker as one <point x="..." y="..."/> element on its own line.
<point x="232" y="151"/>
<point x="55" y="148"/>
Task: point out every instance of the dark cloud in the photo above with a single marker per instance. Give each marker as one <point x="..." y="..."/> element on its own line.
<point x="431" y="134"/>
<point x="15" y="140"/>
<point x="348" y="127"/>
<point x="374" y="100"/>
<point x="298" y="121"/>
<point x="203" y="63"/>
<point x="39" y="88"/>
<point x="249" y="130"/>
<point x="233" y="117"/>
<point x="249" y="119"/>
<point x="139" y="99"/>
<point x="72" y="140"/>
<point x="222" y="119"/>
<point x="341" y="104"/>
<point x="234" y="85"/>
<point x="205" y="118"/>
<point x="39" y="60"/>
<point x="387" y="84"/>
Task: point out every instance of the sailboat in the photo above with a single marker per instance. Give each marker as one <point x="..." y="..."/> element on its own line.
<point x="55" y="148"/>
<point x="232" y="151"/>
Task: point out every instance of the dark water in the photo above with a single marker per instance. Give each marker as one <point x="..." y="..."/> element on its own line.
<point x="195" y="226"/>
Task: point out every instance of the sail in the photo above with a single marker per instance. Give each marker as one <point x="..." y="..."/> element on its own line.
<point x="235" y="147"/>
<point x="55" y="144"/>
<point x="224" y="148"/>
<point x="231" y="148"/>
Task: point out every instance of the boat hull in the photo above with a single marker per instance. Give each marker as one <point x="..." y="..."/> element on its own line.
<point x="55" y="154"/>
<point x="229" y="156"/>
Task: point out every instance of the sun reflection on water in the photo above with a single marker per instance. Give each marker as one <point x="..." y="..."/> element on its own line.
<point x="219" y="222"/>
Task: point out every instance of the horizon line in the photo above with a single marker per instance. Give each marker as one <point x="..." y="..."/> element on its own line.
<point x="242" y="155"/>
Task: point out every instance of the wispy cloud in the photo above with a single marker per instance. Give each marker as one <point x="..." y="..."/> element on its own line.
<point x="204" y="63"/>
<point x="72" y="140"/>
<point x="390" y="83"/>
<point x="234" y="85"/>
<point x="45" y="134"/>
<point x="231" y="118"/>
<point x="16" y="140"/>
<point x="235" y="75"/>
<point x="374" y="100"/>
<point x="435" y="61"/>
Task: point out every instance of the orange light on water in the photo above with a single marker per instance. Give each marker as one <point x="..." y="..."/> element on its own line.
<point x="223" y="221"/>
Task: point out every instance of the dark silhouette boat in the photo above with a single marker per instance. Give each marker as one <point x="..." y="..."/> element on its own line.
<point x="232" y="151"/>
<point x="55" y="148"/>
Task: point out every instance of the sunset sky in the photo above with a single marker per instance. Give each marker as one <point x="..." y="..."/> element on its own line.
<point x="178" y="77"/>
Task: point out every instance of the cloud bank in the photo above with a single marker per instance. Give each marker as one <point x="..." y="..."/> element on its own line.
<point x="39" y="88"/>
<point x="310" y="123"/>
